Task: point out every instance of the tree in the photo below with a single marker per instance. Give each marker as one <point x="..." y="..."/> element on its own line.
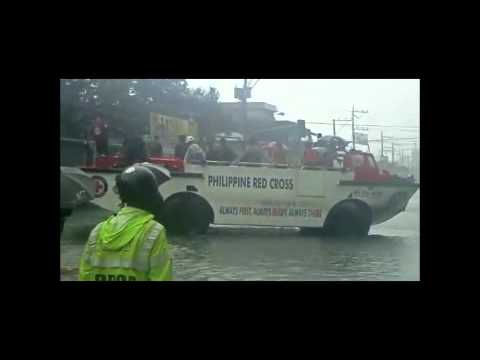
<point x="126" y="103"/>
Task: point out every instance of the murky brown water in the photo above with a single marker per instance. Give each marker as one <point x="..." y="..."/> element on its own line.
<point x="390" y="252"/>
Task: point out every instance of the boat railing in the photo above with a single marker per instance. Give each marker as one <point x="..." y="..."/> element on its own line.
<point x="272" y="165"/>
<point x="247" y="164"/>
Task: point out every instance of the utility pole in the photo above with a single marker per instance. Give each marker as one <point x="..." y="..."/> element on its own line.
<point x="334" y="121"/>
<point x="393" y="153"/>
<point x="353" y="127"/>
<point x="244" y="107"/>
<point x="353" y="123"/>
<point x="243" y="94"/>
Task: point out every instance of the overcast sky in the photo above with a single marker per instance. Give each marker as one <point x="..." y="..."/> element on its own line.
<point x="389" y="102"/>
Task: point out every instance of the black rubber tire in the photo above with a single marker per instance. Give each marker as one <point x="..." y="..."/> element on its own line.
<point x="186" y="216"/>
<point x="199" y="216"/>
<point x="347" y="220"/>
<point x="173" y="216"/>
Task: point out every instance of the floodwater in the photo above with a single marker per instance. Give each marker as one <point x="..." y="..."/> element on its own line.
<point x="390" y="252"/>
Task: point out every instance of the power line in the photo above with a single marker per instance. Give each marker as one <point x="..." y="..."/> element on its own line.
<point x="255" y="83"/>
<point x="342" y="126"/>
<point x="250" y="83"/>
<point x="395" y="140"/>
<point x="369" y="125"/>
<point x="407" y="144"/>
<point x="395" y="126"/>
<point x="411" y="130"/>
<point x="396" y="137"/>
<point x="370" y="117"/>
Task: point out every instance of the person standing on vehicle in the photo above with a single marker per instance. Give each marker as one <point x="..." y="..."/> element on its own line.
<point x="100" y="135"/>
<point x="331" y="154"/>
<point x="194" y="153"/>
<point x="181" y="147"/>
<point x="279" y="153"/>
<point x="224" y="152"/>
<point x="134" y="150"/>
<point x="310" y="156"/>
<point x="156" y="147"/>
<point x="254" y="153"/>
<point x="212" y="151"/>
<point x="130" y="245"/>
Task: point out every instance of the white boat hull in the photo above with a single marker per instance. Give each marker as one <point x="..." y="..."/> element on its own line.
<point x="270" y="196"/>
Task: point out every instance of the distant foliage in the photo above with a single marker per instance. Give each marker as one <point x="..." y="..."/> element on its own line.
<point x="126" y="104"/>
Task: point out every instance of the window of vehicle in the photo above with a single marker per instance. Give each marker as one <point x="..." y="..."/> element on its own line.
<point x="357" y="160"/>
<point x="371" y="162"/>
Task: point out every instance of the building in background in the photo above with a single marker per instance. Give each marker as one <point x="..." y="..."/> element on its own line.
<point x="168" y="128"/>
<point x="259" y="116"/>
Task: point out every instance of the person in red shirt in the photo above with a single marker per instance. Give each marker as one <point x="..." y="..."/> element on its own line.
<point x="100" y="135"/>
<point x="279" y="153"/>
<point x="310" y="156"/>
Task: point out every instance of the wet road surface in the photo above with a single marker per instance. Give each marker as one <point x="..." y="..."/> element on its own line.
<point x="390" y="252"/>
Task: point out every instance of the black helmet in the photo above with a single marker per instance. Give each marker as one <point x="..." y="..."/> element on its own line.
<point x="138" y="187"/>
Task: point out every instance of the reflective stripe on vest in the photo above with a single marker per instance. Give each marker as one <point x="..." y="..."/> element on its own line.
<point x="159" y="260"/>
<point x="139" y="263"/>
<point x="150" y="242"/>
<point x="134" y="264"/>
<point x="92" y="239"/>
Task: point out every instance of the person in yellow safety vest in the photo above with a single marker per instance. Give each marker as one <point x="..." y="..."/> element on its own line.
<point x="130" y="245"/>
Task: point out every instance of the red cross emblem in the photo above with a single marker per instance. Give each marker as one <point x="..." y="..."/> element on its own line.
<point x="100" y="186"/>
